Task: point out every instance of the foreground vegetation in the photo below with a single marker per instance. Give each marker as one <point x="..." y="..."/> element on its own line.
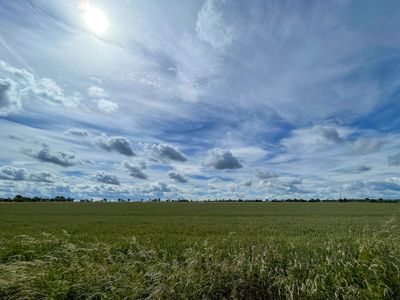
<point x="200" y="250"/>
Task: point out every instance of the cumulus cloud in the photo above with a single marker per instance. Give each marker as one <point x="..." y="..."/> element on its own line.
<point x="282" y="186"/>
<point x="19" y="86"/>
<point x="135" y="170"/>
<point x="316" y="138"/>
<point x="177" y="177"/>
<point x="212" y="186"/>
<point x="221" y="159"/>
<point x="77" y="132"/>
<point x="246" y="183"/>
<point x="394" y="160"/>
<point x="107" y="106"/>
<point x="101" y="100"/>
<point x="157" y="188"/>
<point x="97" y="92"/>
<point x="107" y="178"/>
<point x="165" y="152"/>
<point x="61" y="158"/>
<point x="115" y="143"/>
<point x="21" y="174"/>
<point x="46" y="89"/>
<point x="10" y="101"/>
<point x="265" y="175"/>
<point x="290" y="180"/>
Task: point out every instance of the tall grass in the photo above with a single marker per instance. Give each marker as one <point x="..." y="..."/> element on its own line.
<point x="55" y="267"/>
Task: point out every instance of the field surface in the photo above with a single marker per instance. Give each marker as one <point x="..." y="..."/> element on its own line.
<point x="199" y="250"/>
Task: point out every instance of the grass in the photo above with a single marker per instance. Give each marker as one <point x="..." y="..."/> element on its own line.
<point x="199" y="251"/>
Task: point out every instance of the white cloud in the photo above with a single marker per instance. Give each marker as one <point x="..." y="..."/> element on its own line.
<point x="290" y="180"/>
<point x="97" y="92"/>
<point x="77" y="132"/>
<point x="165" y="152"/>
<point x="221" y="159"/>
<point x="250" y="154"/>
<point x="158" y="188"/>
<point x="101" y="100"/>
<point x="280" y="185"/>
<point x="212" y="26"/>
<point x="265" y="174"/>
<point x="284" y="187"/>
<point x="19" y="87"/>
<point x="177" y="177"/>
<point x="61" y="158"/>
<point x="115" y="143"/>
<point x="316" y="138"/>
<point x="213" y="187"/>
<point x="135" y="170"/>
<point x="46" y="89"/>
<point x="10" y="100"/>
<point x="246" y="183"/>
<point x="107" y="106"/>
<point x="107" y="178"/>
<point x="21" y="174"/>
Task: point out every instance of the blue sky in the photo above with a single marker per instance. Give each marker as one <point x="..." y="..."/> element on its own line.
<point x="200" y="99"/>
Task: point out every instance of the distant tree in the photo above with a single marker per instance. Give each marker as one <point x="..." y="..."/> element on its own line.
<point x="18" y="198"/>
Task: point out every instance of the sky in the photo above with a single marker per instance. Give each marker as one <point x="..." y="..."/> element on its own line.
<point x="200" y="99"/>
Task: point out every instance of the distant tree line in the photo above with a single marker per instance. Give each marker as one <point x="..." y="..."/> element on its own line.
<point x="20" y="198"/>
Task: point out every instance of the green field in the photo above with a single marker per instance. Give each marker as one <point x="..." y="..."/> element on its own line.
<point x="200" y="250"/>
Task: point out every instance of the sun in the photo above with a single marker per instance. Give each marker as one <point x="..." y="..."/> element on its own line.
<point x="96" y="20"/>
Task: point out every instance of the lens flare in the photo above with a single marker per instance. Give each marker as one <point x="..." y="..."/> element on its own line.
<point x="96" y="20"/>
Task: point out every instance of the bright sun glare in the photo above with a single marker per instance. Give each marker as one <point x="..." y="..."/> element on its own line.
<point x="96" y="20"/>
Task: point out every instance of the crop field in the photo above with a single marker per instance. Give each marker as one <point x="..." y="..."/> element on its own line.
<point x="200" y="251"/>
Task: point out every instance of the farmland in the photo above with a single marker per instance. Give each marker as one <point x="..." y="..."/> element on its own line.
<point x="199" y="250"/>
